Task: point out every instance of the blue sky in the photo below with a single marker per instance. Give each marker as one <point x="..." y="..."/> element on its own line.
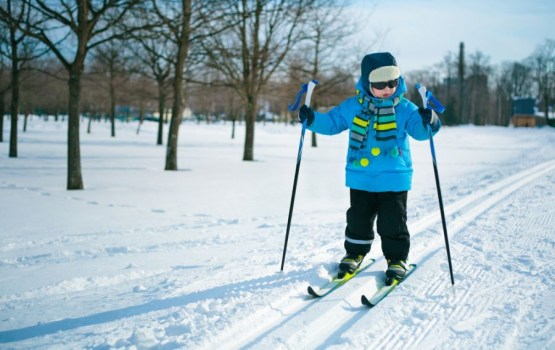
<point x="421" y="32"/>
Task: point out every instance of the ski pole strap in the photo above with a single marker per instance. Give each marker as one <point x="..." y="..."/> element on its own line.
<point x="429" y="100"/>
<point x="297" y="101"/>
<point x="435" y="104"/>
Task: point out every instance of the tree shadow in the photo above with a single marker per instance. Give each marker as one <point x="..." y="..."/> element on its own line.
<point x="42" y="329"/>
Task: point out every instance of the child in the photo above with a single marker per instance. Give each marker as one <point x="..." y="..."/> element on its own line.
<point x="379" y="166"/>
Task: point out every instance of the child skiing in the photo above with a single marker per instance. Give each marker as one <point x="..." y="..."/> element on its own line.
<point x="379" y="166"/>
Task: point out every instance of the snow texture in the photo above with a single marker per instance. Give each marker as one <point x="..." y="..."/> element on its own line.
<point x="149" y="259"/>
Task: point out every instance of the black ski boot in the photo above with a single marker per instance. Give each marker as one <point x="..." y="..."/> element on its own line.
<point x="396" y="270"/>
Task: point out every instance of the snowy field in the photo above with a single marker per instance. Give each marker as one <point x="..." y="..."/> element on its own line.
<point x="148" y="259"/>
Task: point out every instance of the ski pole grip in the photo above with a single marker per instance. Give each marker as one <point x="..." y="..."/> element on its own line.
<point x="309" y="90"/>
<point x="422" y="91"/>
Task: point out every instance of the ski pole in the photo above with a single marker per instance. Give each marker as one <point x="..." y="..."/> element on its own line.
<point x="308" y="88"/>
<point x="429" y="101"/>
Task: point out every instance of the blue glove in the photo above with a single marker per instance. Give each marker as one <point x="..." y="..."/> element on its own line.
<point x="305" y="113"/>
<point x="429" y="117"/>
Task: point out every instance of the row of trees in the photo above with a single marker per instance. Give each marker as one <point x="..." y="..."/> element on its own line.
<point x="234" y="45"/>
<point x="237" y="58"/>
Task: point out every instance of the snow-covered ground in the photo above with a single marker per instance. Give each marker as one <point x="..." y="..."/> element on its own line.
<point x="144" y="258"/>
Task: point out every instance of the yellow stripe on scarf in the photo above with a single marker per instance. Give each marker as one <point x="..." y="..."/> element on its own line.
<point x="361" y="122"/>
<point x="385" y="127"/>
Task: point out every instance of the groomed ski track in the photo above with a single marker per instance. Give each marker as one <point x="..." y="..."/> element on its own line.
<point x="297" y="321"/>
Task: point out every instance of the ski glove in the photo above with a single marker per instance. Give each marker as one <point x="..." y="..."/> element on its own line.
<point x="305" y="113"/>
<point x="429" y="117"/>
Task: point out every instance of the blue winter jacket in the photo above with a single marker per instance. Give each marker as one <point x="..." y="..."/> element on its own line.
<point x="372" y="172"/>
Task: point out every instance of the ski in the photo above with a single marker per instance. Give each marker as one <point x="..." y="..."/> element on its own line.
<point x="385" y="290"/>
<point x="337" y="282"/>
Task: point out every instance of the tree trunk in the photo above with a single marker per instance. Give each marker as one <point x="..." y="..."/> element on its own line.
<point x="248" y="153"/>
<point x="14" y="112"/>
<point x="89" y="124"/>
<point x="461" y="74"/>
<point x="233" y="129"/>
<point x="2" y="112"/>
<point x="25" y="119"/>
<point x="112" y="104"/>
<point x="177" y="110"/>
<point x="161" y="107"/>
<point x="141" y="116"/>
<point x="314" y="140"/>
<point x="13" y="130"/>
<point x="74" y="177"/>
<point x="546" y="106"/>
<point x="171" y="154"/>
<point x="14" y="106"/>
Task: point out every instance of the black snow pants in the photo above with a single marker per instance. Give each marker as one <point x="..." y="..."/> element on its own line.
<point x="390" y="209"/>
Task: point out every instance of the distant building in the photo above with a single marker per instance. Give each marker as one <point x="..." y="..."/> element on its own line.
<point x="525" y="113"/>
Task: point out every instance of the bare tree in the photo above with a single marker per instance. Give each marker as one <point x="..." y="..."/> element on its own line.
<point x="20" y="49"/>
<point x="142" y="93"/>
<point x="153" y="54"/>
<point x="70" y="29"/>
<point x="185" y="24"/>
<point x="46" y="88"/>
<point x="542" y="62"/>
<point x="4" y="80"/>
<point x="253" y="48"/>
<point x="520" y="81"/>
<point x="430" y="76"/>
<point x="180" y="29"/>
<point x="462" y="75"/>
<point x="111" y="60"/>
<point x="479" y="70"/>
<point x="447" y="94"/>
<point x="328" y="37"/>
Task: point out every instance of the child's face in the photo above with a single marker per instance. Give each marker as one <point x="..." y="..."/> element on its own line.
<point x="385" y="93"/>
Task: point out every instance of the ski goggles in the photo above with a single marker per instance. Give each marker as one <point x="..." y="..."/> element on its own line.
<point x="380" y="85"/>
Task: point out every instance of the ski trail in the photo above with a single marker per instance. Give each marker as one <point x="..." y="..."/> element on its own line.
<point x="305" y="324"/>
<point x="477" y="300"/>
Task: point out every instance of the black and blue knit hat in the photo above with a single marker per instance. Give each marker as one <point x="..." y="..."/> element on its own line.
<point x="376" y="67"/>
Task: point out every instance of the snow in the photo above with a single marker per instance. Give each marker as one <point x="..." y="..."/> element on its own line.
<point x="149" y="259"/>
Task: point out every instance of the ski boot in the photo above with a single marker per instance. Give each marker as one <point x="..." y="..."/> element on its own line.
<point x="396" y="270"/>
<point x="349" y="264"/>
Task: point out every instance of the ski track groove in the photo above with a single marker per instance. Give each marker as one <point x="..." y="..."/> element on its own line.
<point x="427" y="325"/>
<point x="474" y="309"/>
<point x="298" y="330"/>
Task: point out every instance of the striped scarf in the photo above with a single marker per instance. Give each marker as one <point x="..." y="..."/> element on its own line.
<point x="381" y="112"/>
